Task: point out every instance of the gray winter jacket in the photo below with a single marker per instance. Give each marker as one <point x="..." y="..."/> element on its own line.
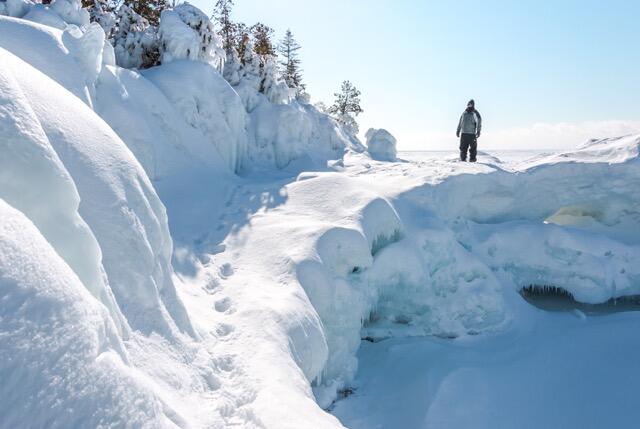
<point x="469" y="124"/>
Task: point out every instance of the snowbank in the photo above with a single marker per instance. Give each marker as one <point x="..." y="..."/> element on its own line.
<point x="381" y="145"/>
<point x="63" y="363"/>
<point x="206" y="103"/>
<point x="34" y="180"/>
<point x="116" y="200"/>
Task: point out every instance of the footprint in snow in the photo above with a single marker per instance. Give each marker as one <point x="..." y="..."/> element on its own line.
<point x="224" y="329"/>
<point x="226" y="270"/>
<point x="222" y="305"/>
<point x="225" y="363"/>
<point x="211" y="285"/>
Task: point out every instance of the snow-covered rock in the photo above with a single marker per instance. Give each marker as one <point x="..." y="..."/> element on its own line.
<point x="381" y="145"/>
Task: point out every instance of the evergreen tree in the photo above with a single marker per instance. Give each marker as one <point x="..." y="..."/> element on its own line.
<point x="347" y="106"/>
<point x="222" y="15"/>
<point x="290" y="63"/>
<point x="242" y="37"/>
<point x="102" y="12"/>
<point x="262" y="43"/>
<point x="347" y="100"/>
<point x="135" y="42"/>
<point x="148" y="9"/>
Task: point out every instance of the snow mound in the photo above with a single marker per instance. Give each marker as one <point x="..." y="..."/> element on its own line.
<point x="116" y="200"/>
<point x="614" y="150"/>
<point x="381" y="145"/>
<point x="15" y="8"/>
<point x="63" y="363"/>
<point x="34" y="180"/>
<point x="70" y="57"/>
<point x="71" y="12"/>
<point x="207" y="103"/>
<point x="282" y="133"/>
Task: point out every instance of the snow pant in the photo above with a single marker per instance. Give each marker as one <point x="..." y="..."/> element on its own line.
<point x="468" y="142"/>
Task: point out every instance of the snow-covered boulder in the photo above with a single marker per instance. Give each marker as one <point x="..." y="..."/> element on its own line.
<point x="381" y="145"/>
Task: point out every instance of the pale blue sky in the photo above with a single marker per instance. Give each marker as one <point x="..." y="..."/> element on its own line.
<point x="543" y="74"/>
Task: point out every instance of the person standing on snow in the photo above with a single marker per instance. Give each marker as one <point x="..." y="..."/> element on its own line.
<point x="470" y="124"/>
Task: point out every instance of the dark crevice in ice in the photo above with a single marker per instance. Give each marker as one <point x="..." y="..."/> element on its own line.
<point x="554" y="298"/>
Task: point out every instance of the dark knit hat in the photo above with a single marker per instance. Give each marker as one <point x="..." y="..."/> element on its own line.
<point x="471" y="103"/>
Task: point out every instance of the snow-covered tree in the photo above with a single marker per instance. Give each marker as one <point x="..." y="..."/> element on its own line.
<point x="262" y="43"/>
<point x="185" y="32"/>
<point x="222" y="16"/>
<point x="232" y="71"/>
<point x="103" y="13"/>
<point x="148" y="9"/>
<point x="135" y="42"/>
<point x="272" y="84"/>
<point x="347" y="106"/>
<point x="242" y="36"/>
<point x="251" y="67"/>
<point x="290" y="63"/>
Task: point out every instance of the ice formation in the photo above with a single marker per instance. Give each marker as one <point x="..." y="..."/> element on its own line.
<point x="381" y="145"/>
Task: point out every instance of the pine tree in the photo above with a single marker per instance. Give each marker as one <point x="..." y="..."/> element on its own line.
<point x="222" y="15"/>
<point x="290" y="63"/>
<point x="347" y="100"/>
<point x="242" y="37"/>
<point x="148" y="9"/>
<point x="262" y="43"/>
<point x="347" y="106"/>
<point x="135" y="42"/>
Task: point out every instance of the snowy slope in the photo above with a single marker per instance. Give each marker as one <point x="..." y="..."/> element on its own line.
<point x="63" y="363"/>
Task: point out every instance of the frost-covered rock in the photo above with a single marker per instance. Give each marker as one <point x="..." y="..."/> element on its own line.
<point x="185" y="32"/>
<point x="381" y="145"/>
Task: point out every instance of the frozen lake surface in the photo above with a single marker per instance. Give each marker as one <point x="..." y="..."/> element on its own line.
<point x="556" y="370"/>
